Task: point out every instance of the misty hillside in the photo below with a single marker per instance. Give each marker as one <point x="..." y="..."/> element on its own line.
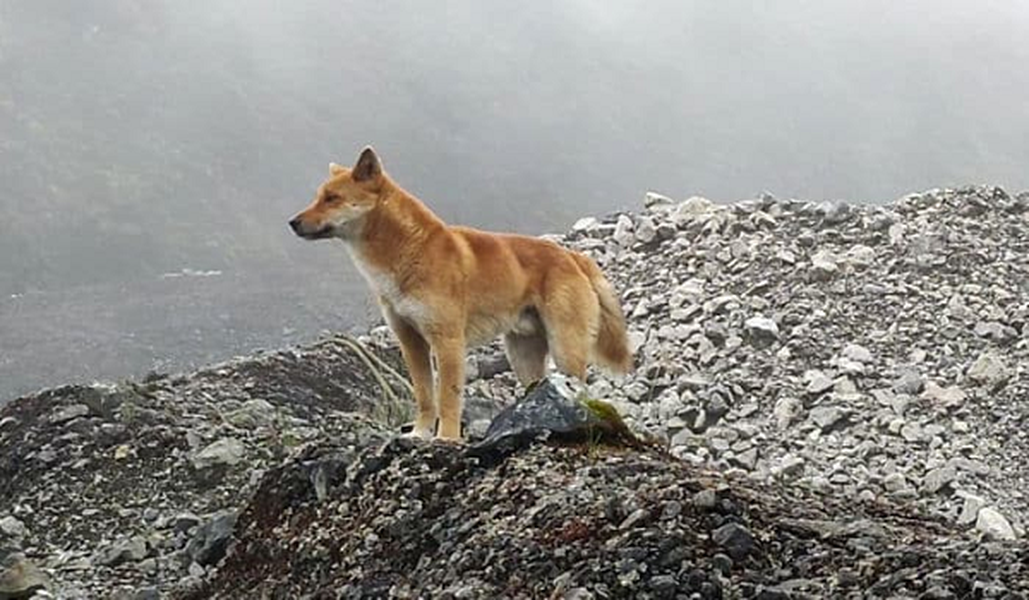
<point x="828" y="401"/>
<point x="138" y="139"/>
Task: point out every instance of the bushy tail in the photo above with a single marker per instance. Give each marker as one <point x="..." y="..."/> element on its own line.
<point x="611" y="348"/>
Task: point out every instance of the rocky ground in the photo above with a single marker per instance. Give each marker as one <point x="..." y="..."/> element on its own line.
<point x="434" y="521"/>
<point x="840" y="393"/>
<point x="133" y="487"/>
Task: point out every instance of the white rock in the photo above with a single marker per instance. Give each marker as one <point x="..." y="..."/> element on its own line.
<point x="623" y="234"/>
<point x="786" y="411"/>
<point x="895" y="482"/>
<point x="989" y="369"/>
<point x="790" y="466"/>
<point x="896" y="233"/>
<point x="646" y="232"/>
<point x="949" y="397"/>
<point x="828" y="417"/>
<point x="12" y="527"/>
<point x="656" y="202"/>
<point x="636" y="340"/>
<point x="817" y="382"/>
<point x="690" y="210"/>
<point x="226" y="451"/>
<point x="762" y="328"/>
<point x="936" y="479"/>
<point x="68" y="413"/>
<point x="859" y="256"/>
<point x="857" y="353"/>
<point x="994" y="525"/>
<point x="585" y="225"/>
<point x="695" y="205"/>
<point x="823" y="266"/>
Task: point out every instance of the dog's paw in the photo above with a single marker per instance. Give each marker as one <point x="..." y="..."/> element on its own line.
<point x="416" y="433"/>
<point x="450" y="441"/>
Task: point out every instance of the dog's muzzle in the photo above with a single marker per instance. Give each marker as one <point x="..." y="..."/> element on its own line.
<point x="297" y="225"/>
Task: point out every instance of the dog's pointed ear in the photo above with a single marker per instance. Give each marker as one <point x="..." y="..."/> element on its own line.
<point x="368" y="165"/>
<point x="335" y="169"/>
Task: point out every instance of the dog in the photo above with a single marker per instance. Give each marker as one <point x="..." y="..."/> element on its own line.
<point x="443" y="289"/>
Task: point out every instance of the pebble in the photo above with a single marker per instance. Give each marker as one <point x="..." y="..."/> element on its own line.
<point x="786" y="411"/>
<point x="705" y="499"/>
<point x="909" y="382"/>
<point x="223" y="452"/>
<point x="21" y="578"/>
<point x="937" y="479"/>
<point x="817" y="382"/>
<point x="762" y="329"/>
<point x="736" y="539"/>
<point x="989" y="369"/>
<point x="69" y="413"/>
<point x="12" y="527"/>
<point x="828" y="418"/>
<point x="857" y="353"/>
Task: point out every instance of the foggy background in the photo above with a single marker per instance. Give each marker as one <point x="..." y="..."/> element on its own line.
<point x="151" y="152"/>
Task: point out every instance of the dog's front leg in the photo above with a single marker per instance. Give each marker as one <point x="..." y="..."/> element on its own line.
<point x="419" y="366"/>
<point x="449" y="351"/>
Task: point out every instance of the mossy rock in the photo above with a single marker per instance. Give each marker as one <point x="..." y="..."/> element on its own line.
<point x="549" y="410"/>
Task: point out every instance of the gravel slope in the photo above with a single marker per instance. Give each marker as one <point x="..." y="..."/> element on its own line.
<point x="841" y="393"/>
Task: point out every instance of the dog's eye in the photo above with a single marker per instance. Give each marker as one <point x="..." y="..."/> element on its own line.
<point x="330" y="198"/>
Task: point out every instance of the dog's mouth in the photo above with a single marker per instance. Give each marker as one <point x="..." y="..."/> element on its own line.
<point x="319" y="234"/>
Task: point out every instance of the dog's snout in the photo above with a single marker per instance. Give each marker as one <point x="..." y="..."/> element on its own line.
<point x="295" y="224"/>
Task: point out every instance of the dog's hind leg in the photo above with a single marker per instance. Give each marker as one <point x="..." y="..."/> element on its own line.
<point x="527" y="355"/>
<point x="571" y="316"/>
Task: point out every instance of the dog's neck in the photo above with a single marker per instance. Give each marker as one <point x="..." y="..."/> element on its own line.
<point x="350" y="232"/>
<point x="394" y="230"/>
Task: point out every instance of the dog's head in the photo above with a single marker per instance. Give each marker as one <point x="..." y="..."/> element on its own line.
<point x="347" y="195"/>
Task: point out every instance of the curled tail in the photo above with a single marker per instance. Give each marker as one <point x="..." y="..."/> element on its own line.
<point x="611" y="347"/>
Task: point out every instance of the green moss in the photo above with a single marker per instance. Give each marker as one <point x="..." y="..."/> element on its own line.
<point x="609" y="427"/>
<point x="605" y="412"/>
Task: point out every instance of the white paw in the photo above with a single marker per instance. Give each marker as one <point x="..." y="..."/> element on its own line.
<point x="419" y="433"/>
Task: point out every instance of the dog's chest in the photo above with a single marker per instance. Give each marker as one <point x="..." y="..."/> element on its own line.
<point x="385" y="287"/>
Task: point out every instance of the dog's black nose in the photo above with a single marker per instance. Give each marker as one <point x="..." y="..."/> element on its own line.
<point x="295" y="225"/>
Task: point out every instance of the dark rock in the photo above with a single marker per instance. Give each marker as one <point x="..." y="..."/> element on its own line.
<point x="210" y="542"/>
<point x="664" y="585"/>
<point x="549" y="410"/>
<point x="736" y="540"/>
<point x="722" y="562"/>
<point x="705" y="499"/>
